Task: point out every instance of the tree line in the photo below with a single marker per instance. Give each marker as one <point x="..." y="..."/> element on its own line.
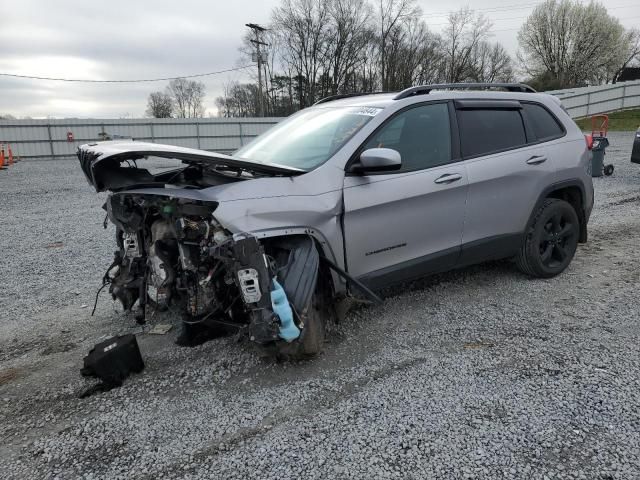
<point x="328" y="47"/>
<point x="319" y="48"/>
<point x="182" y="98"/>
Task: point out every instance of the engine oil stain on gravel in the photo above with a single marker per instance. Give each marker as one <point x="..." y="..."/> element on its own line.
<point x="8" y="375"/>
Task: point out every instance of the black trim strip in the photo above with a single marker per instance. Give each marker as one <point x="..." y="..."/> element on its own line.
<point x="490" y="248"/>
<point x="412" y="269"/>
<point x="475" y="104"/>
<point x="355" y="281"/>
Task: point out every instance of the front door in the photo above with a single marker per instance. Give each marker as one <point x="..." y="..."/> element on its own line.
<point x="407" y="223"/>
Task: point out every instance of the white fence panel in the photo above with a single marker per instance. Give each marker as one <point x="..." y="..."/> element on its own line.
<point x="582" y="102"/>
<point x="48" y="138"/>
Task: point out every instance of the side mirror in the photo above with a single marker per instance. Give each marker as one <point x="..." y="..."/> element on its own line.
<point x="378" y="160"/>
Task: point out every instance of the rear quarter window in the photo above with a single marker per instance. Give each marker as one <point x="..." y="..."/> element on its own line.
<point x="544" y="125"/>
<point x="483" y="131"/>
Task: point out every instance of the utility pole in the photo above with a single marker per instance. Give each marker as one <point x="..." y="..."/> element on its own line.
<point x="257" y="30"/>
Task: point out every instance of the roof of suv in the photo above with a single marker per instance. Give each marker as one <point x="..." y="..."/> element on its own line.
<point x="426" y="93"/>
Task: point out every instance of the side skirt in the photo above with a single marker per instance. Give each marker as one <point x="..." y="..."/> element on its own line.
<point x="493" y="248"/>
<point x="412" y="269"/>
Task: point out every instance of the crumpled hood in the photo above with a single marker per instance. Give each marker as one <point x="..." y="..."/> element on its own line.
<point x="102" y="164"/>
<point x="249" y="190"/>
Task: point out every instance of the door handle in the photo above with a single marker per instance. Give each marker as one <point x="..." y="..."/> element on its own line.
<point x="448" y="178"/>
<point x="537" y="160"/>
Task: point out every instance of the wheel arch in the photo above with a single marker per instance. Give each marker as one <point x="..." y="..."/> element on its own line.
<point x="572" y="192"/>
<point x="324" y="248"/>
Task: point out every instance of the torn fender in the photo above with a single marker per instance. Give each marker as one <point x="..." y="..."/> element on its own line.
<point x="299" y="275"/>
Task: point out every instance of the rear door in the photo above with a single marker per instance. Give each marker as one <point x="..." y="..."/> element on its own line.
<point x="406" y="223"/>
<point x="508" y="170"/>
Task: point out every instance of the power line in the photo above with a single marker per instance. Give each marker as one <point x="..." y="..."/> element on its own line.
<point x="492" y="20"/>
<point x="507" y="8"/>
<point x="523" y="18"/>
<point x="78" y="80"/>
<point x="487" y="10"/>
<point x="518" y="28"/>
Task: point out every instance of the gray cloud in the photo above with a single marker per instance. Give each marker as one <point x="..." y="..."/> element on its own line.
<point x="125" y="39"/>
<point x="116" y="40"/>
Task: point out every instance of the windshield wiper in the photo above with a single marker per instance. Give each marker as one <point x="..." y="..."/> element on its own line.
<point x="276" y="168"/>
<point x="237" y="172"/>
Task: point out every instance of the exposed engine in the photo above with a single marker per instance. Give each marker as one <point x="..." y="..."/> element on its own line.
<point x="174" y="253"/>
<point x="166" y="256"/>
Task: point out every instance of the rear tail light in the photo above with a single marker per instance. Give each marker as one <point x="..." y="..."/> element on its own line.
<point x="589" y="140"/>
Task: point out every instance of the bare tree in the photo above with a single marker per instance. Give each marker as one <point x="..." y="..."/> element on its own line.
<point x="187" y="97"/>
<point x="461" y="39"/>
<point x="302" y="25"/>
<point x="491" y="63"/>
<point x="239" y="100"/>
<point x="412" y="55"/>
<point x="630" y="53"/>
<point x="325" y="47"/>
<point x="159" y="105"/>
<point x="390" y="14"/>
<point x="350" y="32"/>
<point x="574" y="43"/>
<point x="195" y="102"/>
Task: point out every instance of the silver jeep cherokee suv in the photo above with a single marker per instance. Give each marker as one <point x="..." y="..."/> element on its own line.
<point x="346" y="197"/>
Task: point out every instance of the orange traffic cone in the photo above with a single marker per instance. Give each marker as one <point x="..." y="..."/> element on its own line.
<point x="3" y="162"/>
<point x="10" y="154"/>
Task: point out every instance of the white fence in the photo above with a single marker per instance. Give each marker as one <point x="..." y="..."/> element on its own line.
<point x="52" y="139"/>
<point x="582" y="102"/>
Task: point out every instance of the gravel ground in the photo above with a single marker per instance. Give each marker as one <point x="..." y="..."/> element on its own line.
<point x="478" y="373"/>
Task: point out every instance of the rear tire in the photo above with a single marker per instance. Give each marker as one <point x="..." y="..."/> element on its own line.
<point x="550" y="241"/>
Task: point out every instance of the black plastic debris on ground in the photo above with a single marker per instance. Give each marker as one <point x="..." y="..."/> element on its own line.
<point x="112" y="361"/>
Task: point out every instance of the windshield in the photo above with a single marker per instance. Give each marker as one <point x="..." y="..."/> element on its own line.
<point x="308" y="139"/>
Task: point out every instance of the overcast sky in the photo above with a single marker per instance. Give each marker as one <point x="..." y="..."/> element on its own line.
<point x="134" y="39"/>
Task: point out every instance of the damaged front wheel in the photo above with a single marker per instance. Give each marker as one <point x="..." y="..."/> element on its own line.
<point x="312" y="336"/>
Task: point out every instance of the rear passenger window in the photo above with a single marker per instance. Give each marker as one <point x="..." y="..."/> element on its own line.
<point x="544" y="125"/>
<point x="484" y="131"/>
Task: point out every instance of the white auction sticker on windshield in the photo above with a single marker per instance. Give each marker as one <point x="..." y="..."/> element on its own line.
<point x="369" y="111"/>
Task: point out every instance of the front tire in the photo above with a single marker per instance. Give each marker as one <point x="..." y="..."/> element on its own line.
<point x="551" y="240"/>
<point x="312" y="337"/>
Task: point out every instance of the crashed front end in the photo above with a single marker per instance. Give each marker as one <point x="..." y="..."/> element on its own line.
<point x="173" y="253"/>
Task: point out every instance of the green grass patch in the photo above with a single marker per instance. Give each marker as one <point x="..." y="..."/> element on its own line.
<point x="624" y="120"/>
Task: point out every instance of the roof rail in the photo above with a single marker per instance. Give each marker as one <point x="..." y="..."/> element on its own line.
<point x="345" y="95"/>
<point x="425" y="89"/>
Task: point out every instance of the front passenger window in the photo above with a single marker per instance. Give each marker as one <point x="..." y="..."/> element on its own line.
<point x="421" y="135"/>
